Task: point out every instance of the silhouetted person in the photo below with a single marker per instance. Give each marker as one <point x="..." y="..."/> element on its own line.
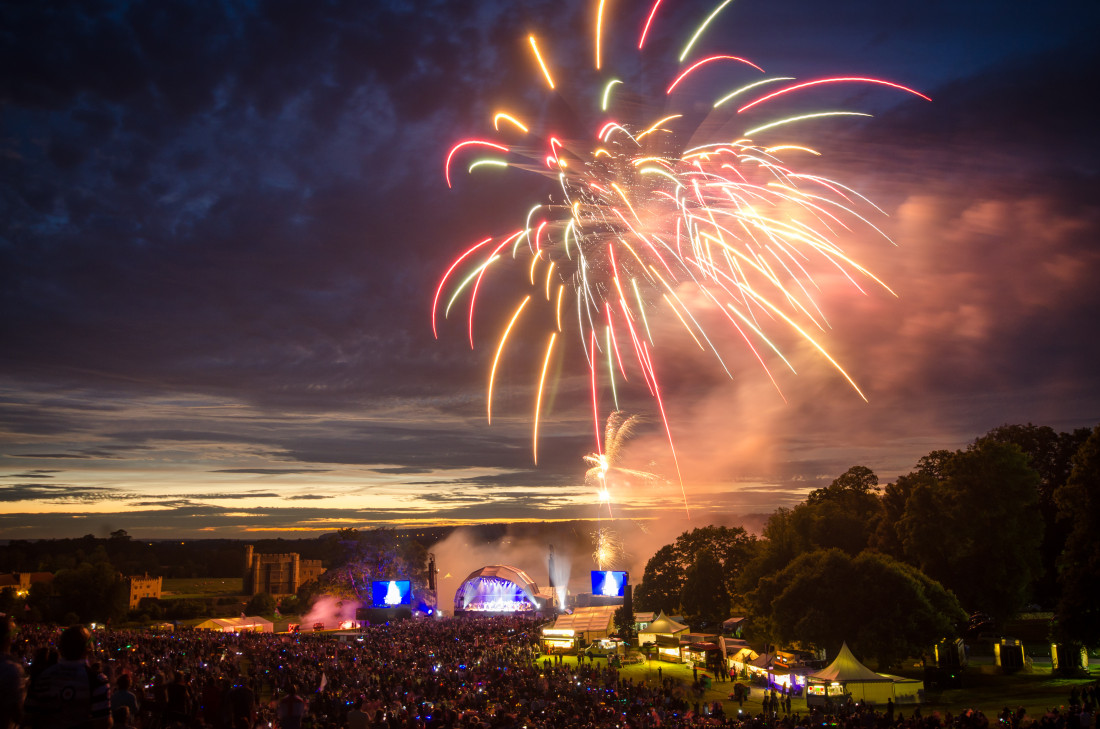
<point x="123" y="696"/>
<point x="292" y="708"/>
<point x="69" y="694"/>
<point x="181" y="701"/>
<point x="357" y="718"/>
<point x="242" y="704"/>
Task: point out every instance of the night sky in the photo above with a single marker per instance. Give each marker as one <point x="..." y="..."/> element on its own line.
<point x="223" y="224"/>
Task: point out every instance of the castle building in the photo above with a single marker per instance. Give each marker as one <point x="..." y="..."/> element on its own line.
<point x="21" y="581"/>
<point x="144" y="586"/>
<point x="277" y="574"/>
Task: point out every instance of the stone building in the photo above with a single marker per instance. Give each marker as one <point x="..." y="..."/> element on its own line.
<point x="277" y="574"/>
<point x="144" y="586"/>
<point x="21" y="581"/>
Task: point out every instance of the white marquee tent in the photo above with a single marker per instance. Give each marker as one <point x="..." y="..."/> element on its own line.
<point x="847" y="676"/>
<point x="237" y="625"/>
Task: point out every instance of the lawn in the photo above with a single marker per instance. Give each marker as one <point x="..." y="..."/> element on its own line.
<point x="1037" y="692"/>
<point x="201" y="587"/>
<point x="988" y="693"/>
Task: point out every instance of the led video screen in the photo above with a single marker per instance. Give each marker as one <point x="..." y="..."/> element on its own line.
<point x="390" y="593"/>
<point x="609" y="583"/>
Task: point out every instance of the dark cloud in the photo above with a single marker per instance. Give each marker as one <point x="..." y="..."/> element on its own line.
<point x="403" y="470"/>
<point x="270" y="471"/>
<point x="530" y="477"/>
<point x="55" y="493"/>
<point x="51" y="456"/>
<point x="218" y="496"/>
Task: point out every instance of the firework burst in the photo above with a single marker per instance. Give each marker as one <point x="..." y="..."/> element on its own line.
<point x="605" y="468"/>
<point x="658" y="220"/>
<point x="608" y="548"/>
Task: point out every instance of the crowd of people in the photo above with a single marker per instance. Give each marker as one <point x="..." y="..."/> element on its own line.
<point x="467" y="673"/>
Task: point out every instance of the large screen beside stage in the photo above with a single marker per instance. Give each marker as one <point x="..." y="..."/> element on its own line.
<point x="390" y="593"/>
<point x="609" y="583"/>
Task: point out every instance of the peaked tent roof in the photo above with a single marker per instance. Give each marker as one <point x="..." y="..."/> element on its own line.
<point x="664" y="624"/>
<point x="846" y="667"/>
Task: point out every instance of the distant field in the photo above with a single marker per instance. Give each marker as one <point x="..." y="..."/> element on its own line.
<point x="179" y="588"/>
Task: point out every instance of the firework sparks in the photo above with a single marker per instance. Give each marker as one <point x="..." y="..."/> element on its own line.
<point x="605" y="468"/>
<point x="651" y="219"/>
<point x="608" y="548"/>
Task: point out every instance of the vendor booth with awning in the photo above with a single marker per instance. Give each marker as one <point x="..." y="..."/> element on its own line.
<point x="664" y="635"/>
<point x="669" y="648"/>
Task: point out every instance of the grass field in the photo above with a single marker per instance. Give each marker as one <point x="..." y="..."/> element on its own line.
<point x="1036" y="692"/>
<point x="202" y="587"/>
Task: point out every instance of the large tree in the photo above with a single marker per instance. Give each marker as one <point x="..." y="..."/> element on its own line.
<point x="895" y="498"/>
<point x="260" y="604"/>
<point x="732" y="547"/>
<point x="974" y="527"/>
<point x="374" y="555"/>
<point x="843" y="515"/>
<point x="94" y="591"/>
<point x="665" y="572"/>
<point x="661" y="583"/>
<point x="1078" y="612"/>
<point x="781" y="543"/>
<point x="1051" y="455"/>
<point x="879" y="606"/>
<point x="703" y="598"/>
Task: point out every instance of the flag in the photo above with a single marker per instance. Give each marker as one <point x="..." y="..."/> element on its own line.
<point x="324" y="682"/>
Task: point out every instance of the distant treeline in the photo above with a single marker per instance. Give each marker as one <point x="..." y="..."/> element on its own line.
<point x="220" y="557"/>
<point x="184" y="558"/>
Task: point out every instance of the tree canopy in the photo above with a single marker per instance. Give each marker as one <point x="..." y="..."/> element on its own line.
<point x="843" y="515"/>
<point x="879" y="606"/>
<point x="1051" y="455"/>
<point x="976" y="528"/>
<point x="703" y="598"/>
<point x="92" y="591"/>
<point x="661" y="582"/>
<point x="666" y="571"/>
<point x="1078" y="501"/>
<point x="260" y="604"/>
<point x="375" y="555"/>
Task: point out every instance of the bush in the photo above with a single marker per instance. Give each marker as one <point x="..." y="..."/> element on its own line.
<point x="260" y="604"/>
<point x="183" y="609"/>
